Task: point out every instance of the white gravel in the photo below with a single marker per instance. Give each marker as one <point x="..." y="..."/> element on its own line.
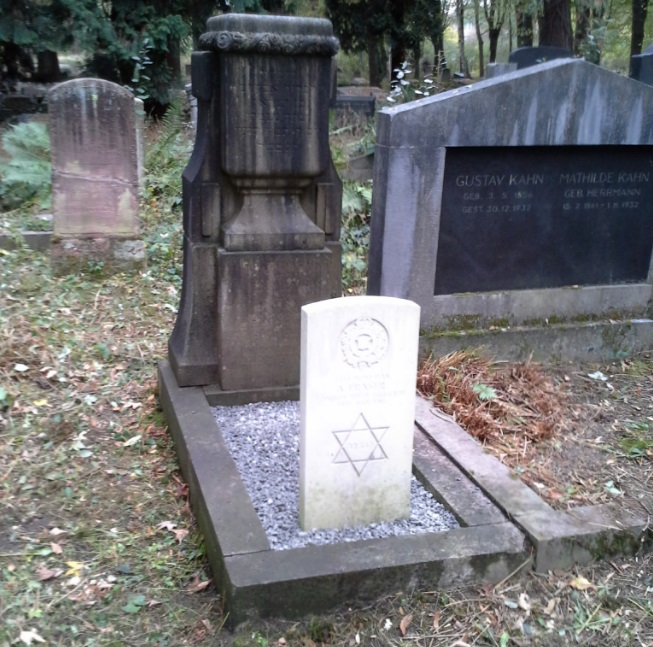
<point x="264" y="441"/>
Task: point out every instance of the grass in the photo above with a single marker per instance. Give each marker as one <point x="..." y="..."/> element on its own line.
<point x="98" y="546"/>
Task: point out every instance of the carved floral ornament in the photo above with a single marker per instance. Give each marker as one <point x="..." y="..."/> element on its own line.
<point x="269" y="43"/>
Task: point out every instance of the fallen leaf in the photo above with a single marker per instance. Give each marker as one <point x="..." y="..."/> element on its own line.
<point x="43" y="573"/>
<point x="436" y="620"/>
<point x="524" y="602"/>
<point x="167" y="525"/>
<point x="75" y="568"/>
<point x="29" y="636"/>
<point x="21" y="368"/>
<point x="132" y="441"/>
<point x="405" y="621"/>
<point x="197" y="585"/>
<point x="550" y="606"/>
<point x="56" y="532"/>
<point x="580" y="583"/>
<point x="56" y="548"/>
<point x="180" y="534"/>
<point x="153" y="603"/>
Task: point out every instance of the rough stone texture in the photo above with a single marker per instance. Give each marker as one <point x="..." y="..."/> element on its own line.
<point x="358" y="367"/>
<point x="260" y="180"/>
<point x="559" y="103"/>
<point x="94" y="176"/>
<point x="255" y="580"/>
<point x="561" y="538"/>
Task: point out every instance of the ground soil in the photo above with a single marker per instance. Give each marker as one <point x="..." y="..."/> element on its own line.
<point x="605" y="451"/>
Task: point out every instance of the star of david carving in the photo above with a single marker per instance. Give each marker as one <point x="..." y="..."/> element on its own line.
<point x="360" y="444"/>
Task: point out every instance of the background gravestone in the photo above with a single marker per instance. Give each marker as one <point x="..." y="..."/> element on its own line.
<point x="641" y="66"/>
<point x="542" y="214"/>
<point x="94" y="177"/>
<point x="529" y="56"/>
<point x="262" y="202"/>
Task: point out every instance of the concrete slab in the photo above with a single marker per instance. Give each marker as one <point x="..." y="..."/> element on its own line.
<point x="256" y="580"/>
<point x="560" y="538"/>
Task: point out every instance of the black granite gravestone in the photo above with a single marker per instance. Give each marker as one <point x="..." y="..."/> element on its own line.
<point x="536" y="217"/>
<point x="529" y="56"/>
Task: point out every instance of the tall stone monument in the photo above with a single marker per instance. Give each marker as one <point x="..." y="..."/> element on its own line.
<point x="94" y="177"/>
<point x="261" y="202"/>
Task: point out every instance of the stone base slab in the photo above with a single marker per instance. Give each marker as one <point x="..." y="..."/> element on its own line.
<point x="104" y="256"/>
<point x="594" y="341"/>
<point x="255" y="580"/>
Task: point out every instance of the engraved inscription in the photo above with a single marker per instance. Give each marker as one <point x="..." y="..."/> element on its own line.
<point x="542" y="217"/>
<point x="363" y="342"/>
<point x="360" y="445"/>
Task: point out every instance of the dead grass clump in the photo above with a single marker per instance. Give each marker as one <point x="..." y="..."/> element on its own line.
<point x="507" y="406"/>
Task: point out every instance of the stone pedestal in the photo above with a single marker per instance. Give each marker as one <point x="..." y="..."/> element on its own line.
<point x="261" y="202"/>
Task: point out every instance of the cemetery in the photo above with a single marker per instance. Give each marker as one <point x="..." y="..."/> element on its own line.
<point x="304" y="467"/>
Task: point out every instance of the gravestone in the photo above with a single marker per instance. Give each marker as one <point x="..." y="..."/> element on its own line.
<point x="540" y="215"/>
<point x="358" y="373"/>
<point x="94" y="177"/>
<point x="493" y="70"/>
<point x="261" y="202"/>
<point x="641" y="66"/>
<point x="529" y="56"/>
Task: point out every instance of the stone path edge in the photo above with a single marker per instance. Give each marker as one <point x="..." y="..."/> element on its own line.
<point x="257" y="581"/>
<point x="561" y="539"/>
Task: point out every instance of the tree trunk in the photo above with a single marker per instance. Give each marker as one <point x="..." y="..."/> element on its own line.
<point x="583" y="17"/>
<point x="436" y="36"/>
<point x="398" y="42"/>
<point x="555" y="24"/>
<point x="509" y="32"/>
<point x="376" y="59"/>
<point x="494" y="41"/>
<point x="417" y="56"/>
<point x="460" y="14"/>
<point x="524" y="23"/>
<point x="173" y="59"/>
<point x="479" y="38"/>
<point x="640" y="9"/>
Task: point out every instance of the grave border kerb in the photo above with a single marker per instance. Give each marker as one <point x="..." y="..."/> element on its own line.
<point x="409" y="175"/>
<point x="257" y="581"/>
<point x="561" y="538"/>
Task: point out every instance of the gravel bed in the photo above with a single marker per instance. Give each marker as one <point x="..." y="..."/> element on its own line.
<point x="264" y="441"/>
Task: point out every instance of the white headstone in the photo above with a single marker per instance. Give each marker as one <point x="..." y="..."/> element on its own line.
<point x="358" y="374"/>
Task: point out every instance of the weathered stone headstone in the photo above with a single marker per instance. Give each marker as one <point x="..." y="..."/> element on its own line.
<point x="358" y="372"/>
<point x="540" y="215"/>
<point x="529" y="56"/>
<point x="261" y="202"/>
<point x="94" y="177"/>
